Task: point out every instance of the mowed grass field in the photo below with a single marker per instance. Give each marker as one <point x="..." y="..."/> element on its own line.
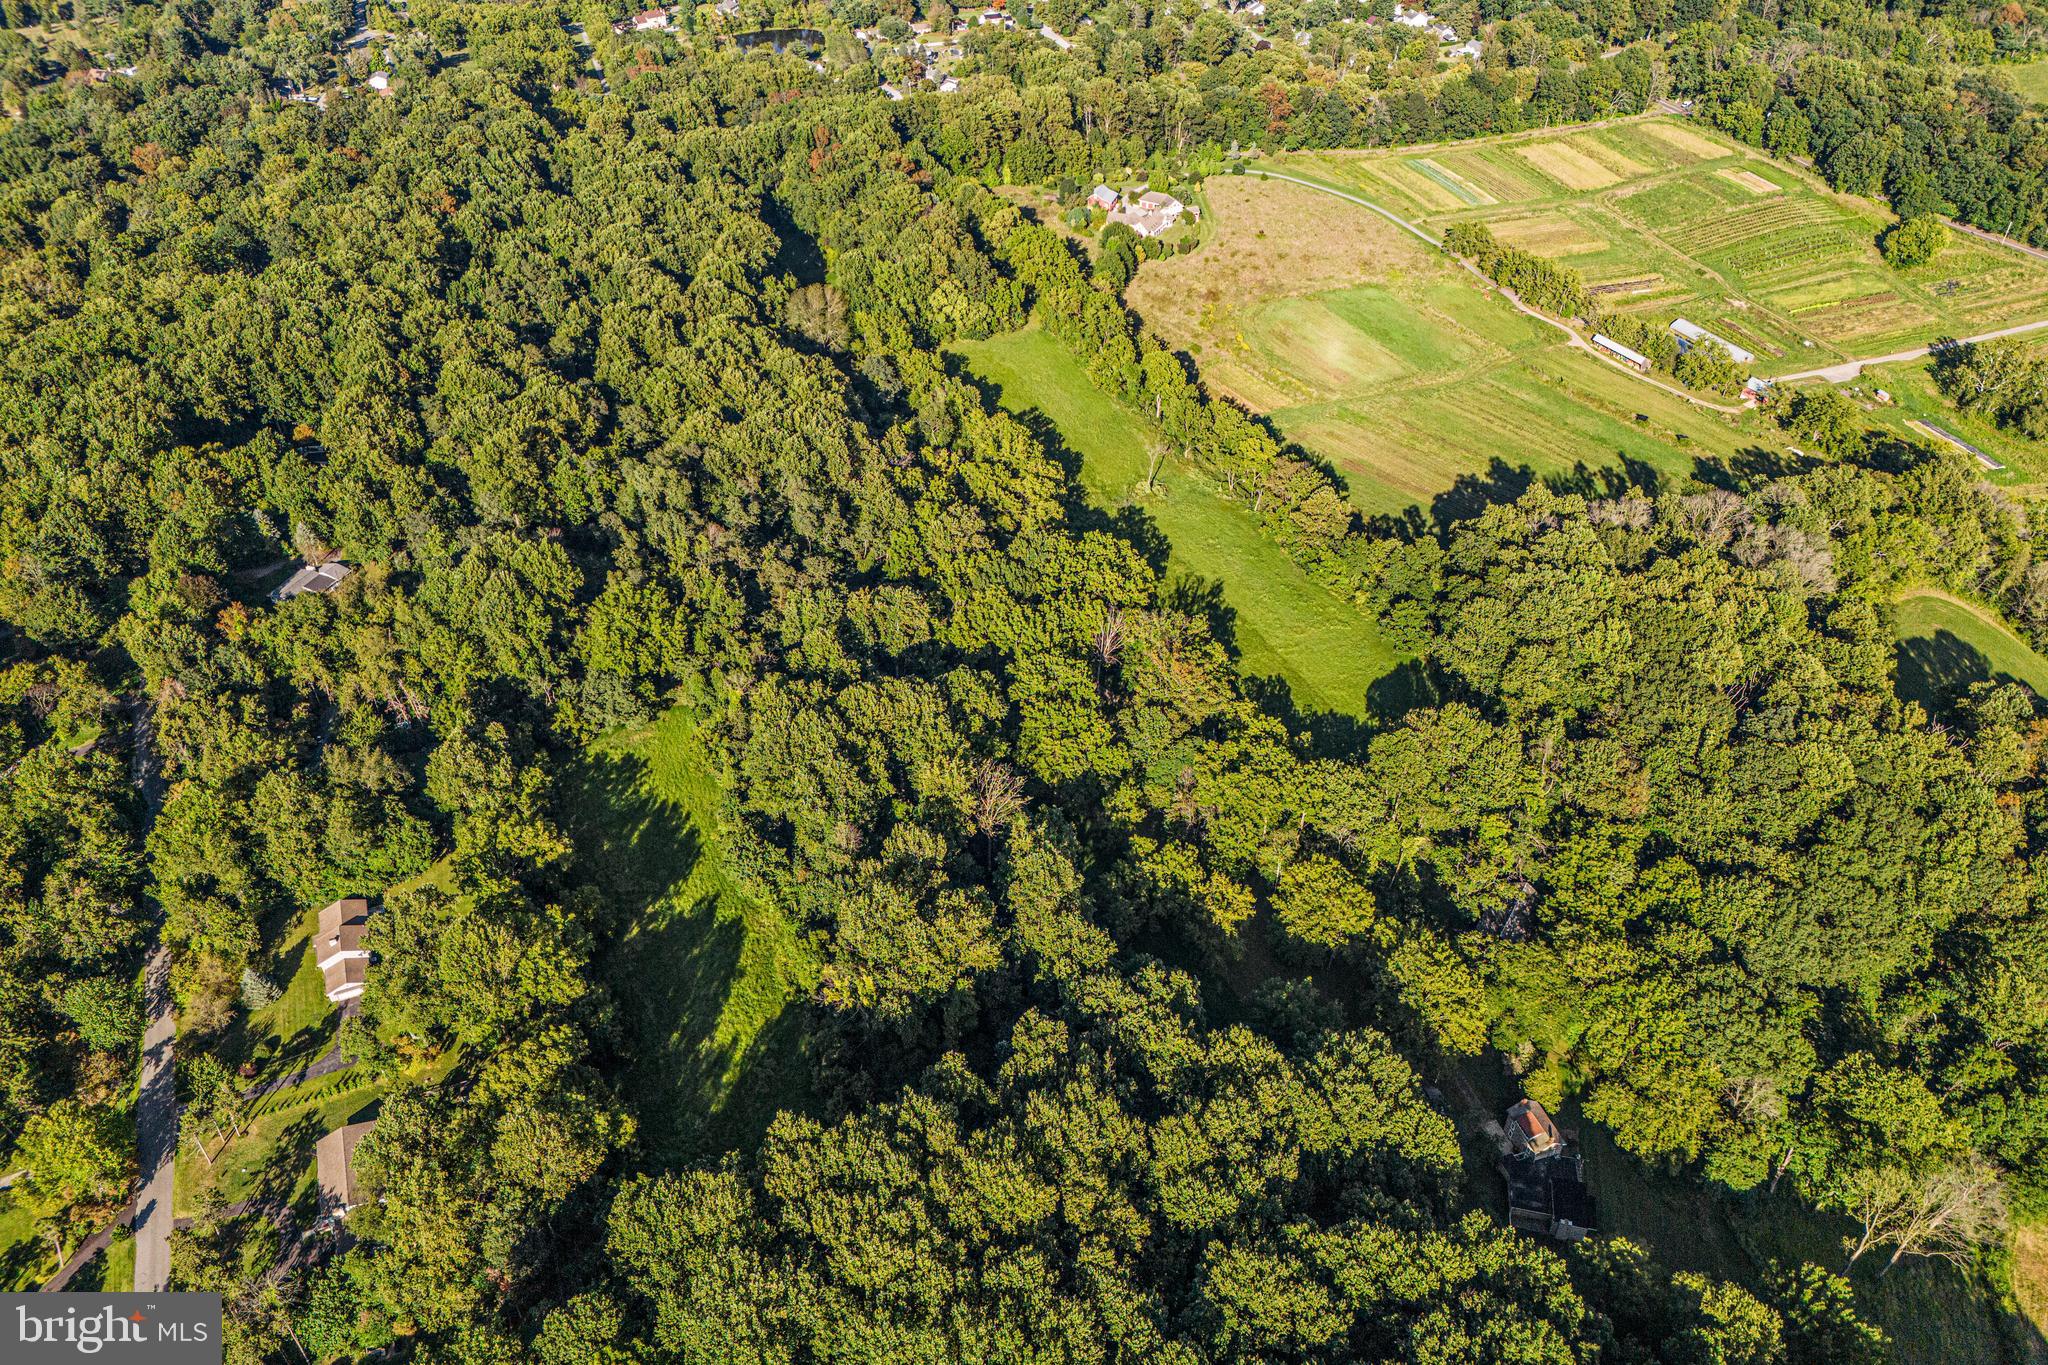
<point x="1285" y="625"/>
<point x="1669" y="217"/>
<point x="710" y="978"/>
<point x="1398" y="366"/>
<point x="1946" y="644"/>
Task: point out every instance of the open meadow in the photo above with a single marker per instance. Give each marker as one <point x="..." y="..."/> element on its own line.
<point x="1283" y="623"/>
<point x="1401" y="369"/>
<point x="1668" y="217"/>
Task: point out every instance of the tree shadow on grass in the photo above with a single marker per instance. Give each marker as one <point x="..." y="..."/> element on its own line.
<point x="1939" y="669"/>
<point x="675" y="964"/>
<point x="24" y="1265"/>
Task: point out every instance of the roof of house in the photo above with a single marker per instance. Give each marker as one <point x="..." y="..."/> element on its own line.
<point x="1154" y="199"/>
<point x="320" y="578"/>
<point x="349" y="911"/>
<point x="334" y="1163"/>
<point x="1103" y="192"/>
<point x="1533" y="1121"/>
<point x="1570" y="1200"/>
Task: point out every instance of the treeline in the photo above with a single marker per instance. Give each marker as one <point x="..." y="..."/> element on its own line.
<point x="1886" y="126"/>
<point x="1557" y="289"/>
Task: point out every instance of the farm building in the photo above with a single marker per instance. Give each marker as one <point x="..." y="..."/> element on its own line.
<point x="344" y="961"/>
<point x="320" y="578"/>
<point x="1627" y="354"/>
<point x="1104" y="198"/>
<point x="334" y="1163"/>
<point x="1690" y="334"/>
<point x="1756" y="390"/>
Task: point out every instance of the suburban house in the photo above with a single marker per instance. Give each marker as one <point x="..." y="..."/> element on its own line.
<point x="1690" y="334"/>
<point x="1468" y="49"/>
<point x="1150" y="214"/>
<point x="338" y="948"/>
<point x="1531" y="1132"/>
<point x="1546" y="1180"/>
<point x="1627" y="355"/>
<point x="948" y="84"/>
<point x="379" y="81"/>
<point x="1413" y="18"/>
<point x="321" y="578"/>
<point x="334" y="1163"/>
<point x="1104" y="198"/>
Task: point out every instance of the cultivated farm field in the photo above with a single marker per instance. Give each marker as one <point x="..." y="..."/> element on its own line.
<point x="1668" y="217"/>
<point x="1400" y="368"/>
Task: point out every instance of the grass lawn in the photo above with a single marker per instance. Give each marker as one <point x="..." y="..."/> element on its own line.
<point x="708" y="976"/>
<point x="1396" y="365"/>
<point x="110" y="1272"/>
<point x="1946" y="644"/>
<point x="1667" y="217"/>
<point x="1284" y="624"/>
<point x="24" y="1257"/>
<point x="299" y="1025"/>
<point x="1916" y="399"/>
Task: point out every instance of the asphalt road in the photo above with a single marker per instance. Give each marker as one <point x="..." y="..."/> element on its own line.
<point x="1849" y="369"/>
<point x="156" y="1131"/>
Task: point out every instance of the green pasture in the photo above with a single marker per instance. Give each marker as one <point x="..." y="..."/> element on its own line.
<point x="1668" y="217"/>
<point x="1284" y="624"/>
<point x="709" y="977"/>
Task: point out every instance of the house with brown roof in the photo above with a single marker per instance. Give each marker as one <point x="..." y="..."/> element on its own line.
<point x="1531" y="1131"/>
<point x="338" y="948"/>
<point x="334" y="1163"/>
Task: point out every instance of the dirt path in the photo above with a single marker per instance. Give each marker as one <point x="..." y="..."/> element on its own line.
<point x="1572" y="338"/>
<point x="1850" y="369"/>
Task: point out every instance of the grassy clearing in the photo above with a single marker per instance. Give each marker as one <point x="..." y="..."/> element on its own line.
<point x="1390" y="361"/>
<point x="24" y="1257"/>
<point x="2028" y="79"/>
<point x="1669" y="217"/>
<point x="1946" y="644"/>
<point x="1915" y="398"/>
<point x="708" y="976"/>
<point x="1283" y="623"/>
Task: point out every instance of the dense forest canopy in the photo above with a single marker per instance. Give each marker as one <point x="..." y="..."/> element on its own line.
<point x="628" y="398"/>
